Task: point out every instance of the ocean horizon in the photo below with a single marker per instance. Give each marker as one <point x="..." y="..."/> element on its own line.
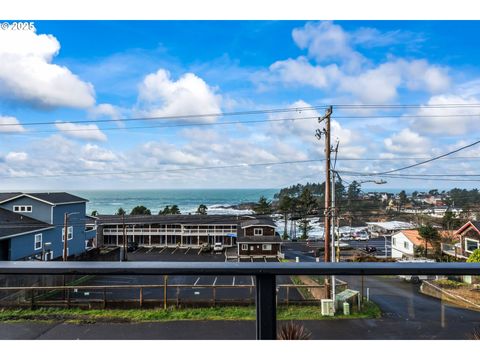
<point x="218" y="201"/>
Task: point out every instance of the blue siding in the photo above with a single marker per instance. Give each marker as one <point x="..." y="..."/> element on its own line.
<point x="23" y="246"/>
<point x="40" y="210"/>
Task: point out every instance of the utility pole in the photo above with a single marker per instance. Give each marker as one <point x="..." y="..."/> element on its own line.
<point x="328" y="150"/>
<point x="65" y="236"/>
<point x="332" y="210"/>
<point x="124" y="239"/>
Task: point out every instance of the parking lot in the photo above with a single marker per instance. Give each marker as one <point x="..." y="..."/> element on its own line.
<point x="185" y="288"/>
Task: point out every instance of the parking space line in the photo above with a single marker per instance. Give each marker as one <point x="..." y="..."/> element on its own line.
<point x="196" y="282"/>
<point x="149" y="250"/>
<point x="187" y="250"/>
<point x="252" y="281"/>
<point x="173" y="252"/>
<point x="137" y="250"/>
<point x="233" y="282"/>
<point x="163" y="249"/>
<point x="215" y="281"/>
<point x="199" y="251"/>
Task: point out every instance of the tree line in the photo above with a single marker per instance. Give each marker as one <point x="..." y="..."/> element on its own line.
<point x="167" y="210"/>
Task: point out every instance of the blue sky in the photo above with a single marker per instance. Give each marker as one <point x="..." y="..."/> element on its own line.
<point x="71" y="71"/>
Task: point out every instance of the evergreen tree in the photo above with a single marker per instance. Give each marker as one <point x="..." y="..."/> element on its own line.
<point x="285" y="205"/>
<point x="165" y="211"/>
<point x="120" y="211"/>
<point x="94" y="213"/>
<point x="140" y="210"/>
<point x="174" y="210"/>
<point x="263" y="207"/>
<point x="202" y="210"/>
<point x="429" y="234"/>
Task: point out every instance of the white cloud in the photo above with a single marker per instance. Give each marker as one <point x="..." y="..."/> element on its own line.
<point x="80" y="131"/>
<point x="344" y="70"/>
<point x="96" y="153"/>
<point x="300" y="71"/>
<point x="16" y="156"/>
<point x="448" y="120"/>
<point x="109" y="110"/>
<point x="9" y="124"/>
<point x="327" y="41"/>
<point x="28" y="75"/>
<point x="161" y="96"/>
<point x="408" y="142"/>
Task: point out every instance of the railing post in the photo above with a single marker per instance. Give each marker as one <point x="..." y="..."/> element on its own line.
<point x="141" y="297"/>
<point x="266" y="309"/>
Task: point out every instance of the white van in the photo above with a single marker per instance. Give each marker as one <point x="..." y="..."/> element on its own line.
<point x="217" y="247"/>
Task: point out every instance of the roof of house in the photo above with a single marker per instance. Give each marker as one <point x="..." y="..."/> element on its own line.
<point x="414" y="237"/>
<point x="48" y="197"/>
<point x="13" y="224"/>
<point x="174" y="219"/>
<point x="263" y="221"/>
<point x="392" y="225"/>
<point x="475" y="224"/>
<point x="259" y="239"/>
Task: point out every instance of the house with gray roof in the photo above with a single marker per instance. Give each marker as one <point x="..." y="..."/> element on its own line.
<point x="32" y="226"/>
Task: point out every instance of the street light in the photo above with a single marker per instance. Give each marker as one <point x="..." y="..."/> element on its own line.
<point x="65" y="233"/>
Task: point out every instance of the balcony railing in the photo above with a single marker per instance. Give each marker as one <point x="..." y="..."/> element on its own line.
<point x="265" y="274"/>
<point x="143" y="231"/>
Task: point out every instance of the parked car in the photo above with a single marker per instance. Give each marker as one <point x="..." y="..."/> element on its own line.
<point x="217" y="247"/>
<point x="132" y="246"/>
<point x="370" y="249"/>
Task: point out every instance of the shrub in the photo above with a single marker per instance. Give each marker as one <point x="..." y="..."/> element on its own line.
<point x="293" y="331"/>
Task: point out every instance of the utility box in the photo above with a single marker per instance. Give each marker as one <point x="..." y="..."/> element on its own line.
<point x="346" y="308"/>
<point x="328" y="308"/>
<point x="347" y="296"/>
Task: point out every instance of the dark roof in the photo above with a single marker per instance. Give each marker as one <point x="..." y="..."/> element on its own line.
<point x="174" y="219"/>
<point x="259" y="239"/>
<point x="265" y="221"/>
<point x="6" y="196"/>
<point x="57" y="197"/>
<point x="12" y="224"/>
<point x="50" y="197"/>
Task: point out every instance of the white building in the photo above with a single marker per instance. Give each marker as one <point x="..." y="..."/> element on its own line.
<point x="404" y="243"/>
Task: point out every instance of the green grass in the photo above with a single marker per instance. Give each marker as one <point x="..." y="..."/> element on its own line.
<point x="449" y="283"/>
<point x="148" y="315"/>
<point x="306" y="294"/>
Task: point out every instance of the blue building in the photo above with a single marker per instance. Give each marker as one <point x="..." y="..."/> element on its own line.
<point x="32" y="226"/>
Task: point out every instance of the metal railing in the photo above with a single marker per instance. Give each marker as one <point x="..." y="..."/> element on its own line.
<point x="265" y="273"/>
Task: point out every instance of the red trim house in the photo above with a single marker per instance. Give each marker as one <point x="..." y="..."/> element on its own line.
<point x="469" y="235"/>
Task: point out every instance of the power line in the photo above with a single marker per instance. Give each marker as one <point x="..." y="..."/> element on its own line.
<point x="423" y="162"/>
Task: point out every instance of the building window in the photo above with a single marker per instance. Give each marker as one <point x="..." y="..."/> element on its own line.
<point x="38" y="241"/>
<point x="69" y="233"/>
<point x="257" y="231"/>
<point x="267" y="247"/>
<point x="22" y="208"/>
<point x="406" y="245"/>
<point x="471" y="245"/>
<point x="394" y="241"/>
<point x="244" y="246"/>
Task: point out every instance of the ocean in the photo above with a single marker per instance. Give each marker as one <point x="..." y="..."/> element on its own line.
<point x="108" y="201"/>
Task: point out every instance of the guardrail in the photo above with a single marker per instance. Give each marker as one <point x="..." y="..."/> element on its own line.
<point x="265" y="274"/>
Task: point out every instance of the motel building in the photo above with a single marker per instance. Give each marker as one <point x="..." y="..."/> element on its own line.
<point x="255" y="234"/>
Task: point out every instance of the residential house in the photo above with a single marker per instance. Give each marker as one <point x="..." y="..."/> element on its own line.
<point x="468" y="237"/>
<point x="405" y="242"/>
<point x="257" y="238"/>
<point x="33" y="226"/>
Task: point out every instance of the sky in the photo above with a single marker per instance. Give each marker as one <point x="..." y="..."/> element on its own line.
<point x="86" y="81"/>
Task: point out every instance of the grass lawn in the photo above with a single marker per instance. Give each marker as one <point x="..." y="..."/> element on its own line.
<point x="370" y="310"/>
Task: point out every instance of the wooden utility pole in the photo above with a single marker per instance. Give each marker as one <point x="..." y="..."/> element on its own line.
<point x="328" y="192"/>
<point x="65" y="236"/>
<point x="124" y="239"/>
